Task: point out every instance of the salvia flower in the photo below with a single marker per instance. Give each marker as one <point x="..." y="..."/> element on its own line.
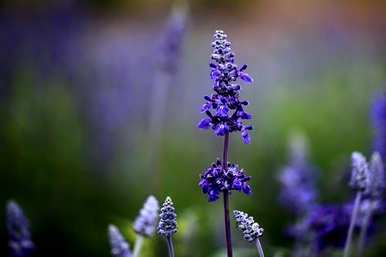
<point x="360" y="172"/>
<point x="119" y="246"/>
<point x="379" y="122"/>
<point x="215" y="179"/>
<point x="172" y="40"/>
<point x="377" y="177"/>
<point x="146" y="221"/>
<point x="251" y="230"/>
<point x="167" y="225"/>
<point x="224" y="109"/>
<point x="20" y="242"/>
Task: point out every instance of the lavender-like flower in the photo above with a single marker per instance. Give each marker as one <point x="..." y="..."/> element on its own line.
<point x="119" y="246"/>
<point x="168" y="219"/>
<point x="224" y="109"/>
<point x="297" y="179"/>
<point x="360" y="172"/>
<point x="215" y="179"/>
<point x="146" y="221"/>
<point x="171" y="43"/>
<point x="375" y="191"/>
<point x="20" y="243"/>
<point x="379" y="122"/>
<point x="167" y="226"/>
<point x="251" y="230"/>
<point x="360" y="181"/>
<point x="225" y="114"/>
<point x="376" y="177"/>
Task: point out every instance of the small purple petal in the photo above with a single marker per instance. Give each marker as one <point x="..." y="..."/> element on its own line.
<point x="204" y="123"/>
<point x="245" y="136"/>
<point x="245" y="77"/>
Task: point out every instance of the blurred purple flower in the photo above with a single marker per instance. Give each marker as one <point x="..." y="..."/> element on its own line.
<point x="378" y="114"/>
<point x="146" y="221"/>
<point x="298" y="192"/>
<point x="360" y="175"/>
<point x="215" y="180"/>
<point x="19" y="243"/>
<point x="224" y="109"/>
<point x="171" y="43"/>
<point x="324" y="225"/>
<point x="119" y="246"/>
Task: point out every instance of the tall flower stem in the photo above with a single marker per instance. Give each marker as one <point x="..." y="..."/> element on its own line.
<point x="259" y="248"/>
<point x="363" y="232"/>
<point x="170" y="246"/>
<point x="138" y="246"/>
<point x="227" y="223"/>
<point x="354" y="216"/>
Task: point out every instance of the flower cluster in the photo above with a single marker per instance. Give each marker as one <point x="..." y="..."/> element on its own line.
<point x="379" y="122"/>
<point x="119" y="246"/>
<point x="360" y="172"/>
<point x="20" y="243"/>
<point x="168" y="219"/>
<point x="251" y="230"/>
<point x="377" y="177"/>
<point x="216" y="179"/>
<point x="146" y="221"/>
<point x="224" y="109"/>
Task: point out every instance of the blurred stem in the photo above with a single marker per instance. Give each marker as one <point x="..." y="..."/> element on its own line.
<point x="354" y="215"/>
<point x="364" y="228"/>
<point x="259" y="248"/>
<point x="170" y="246"/>
<point x="227" y="223"/>
<point x="138" y="245"/>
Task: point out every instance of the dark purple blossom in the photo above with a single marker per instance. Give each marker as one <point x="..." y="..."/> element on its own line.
<point x="215" y="180"/>
<point x="119" y="246"/>
<point x="146" y="221"/>
<point x="379" y="122"/>
<point x="224" y="109"/>
<point x="20" y="243"/>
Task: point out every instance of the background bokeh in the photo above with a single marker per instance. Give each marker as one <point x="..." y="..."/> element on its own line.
<point x="76" y="93"/>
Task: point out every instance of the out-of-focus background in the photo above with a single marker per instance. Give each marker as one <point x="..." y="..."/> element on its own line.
<point x="86" y="133"/>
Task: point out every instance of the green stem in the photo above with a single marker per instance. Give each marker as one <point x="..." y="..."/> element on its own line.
<point x="138" y="245"/>
<point x="170" y="246"/>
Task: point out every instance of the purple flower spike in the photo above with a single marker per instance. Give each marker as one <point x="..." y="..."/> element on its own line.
<point x="379" y="122"/>
<point x="119" y="246"/>
<point x="215" y="180"/>
<point x="224" y="109"/>
<point x="146" y="222"/>
<point x="20" y="243"/>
